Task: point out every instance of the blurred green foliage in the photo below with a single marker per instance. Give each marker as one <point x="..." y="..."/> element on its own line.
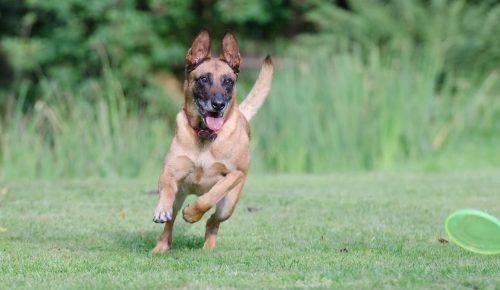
<point x="67" y="42"/>
<point x="359" y="85"/>
<point x="464" y="32"/>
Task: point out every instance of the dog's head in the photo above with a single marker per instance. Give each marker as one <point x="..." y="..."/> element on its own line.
<point x="210" y="82"/>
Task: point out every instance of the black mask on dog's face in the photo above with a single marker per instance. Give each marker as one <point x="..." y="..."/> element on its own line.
<point x="212" y="94"/>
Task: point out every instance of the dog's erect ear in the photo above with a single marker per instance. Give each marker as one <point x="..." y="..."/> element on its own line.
<point x="199" y="51"/>
<point x="230" y="51"/>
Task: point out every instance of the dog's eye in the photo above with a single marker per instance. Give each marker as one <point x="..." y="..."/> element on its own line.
<point x="227" y="82"/>
<point x="203" y="79"/>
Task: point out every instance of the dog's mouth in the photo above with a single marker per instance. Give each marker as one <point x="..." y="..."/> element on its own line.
<point x="214" y="123"/>
<point x="213" y="120"/>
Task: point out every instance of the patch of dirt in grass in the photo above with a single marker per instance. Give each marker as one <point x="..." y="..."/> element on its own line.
<point x="252" y="209"/>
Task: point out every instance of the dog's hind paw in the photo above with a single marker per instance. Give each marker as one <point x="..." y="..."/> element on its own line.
<point x="161" y="247"/>
<point x="191" y="214"/>
<point x="162" y="215"/>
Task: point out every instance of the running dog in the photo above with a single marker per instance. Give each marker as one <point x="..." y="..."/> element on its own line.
<point x="209" y="154"/>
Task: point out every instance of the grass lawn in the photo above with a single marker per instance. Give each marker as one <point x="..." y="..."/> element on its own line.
<point x="289" y="231"/>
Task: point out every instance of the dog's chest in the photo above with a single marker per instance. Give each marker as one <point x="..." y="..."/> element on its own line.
<point x="206" y="170"/>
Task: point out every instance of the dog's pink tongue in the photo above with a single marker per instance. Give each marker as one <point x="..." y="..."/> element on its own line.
<point x="213" y="123"/>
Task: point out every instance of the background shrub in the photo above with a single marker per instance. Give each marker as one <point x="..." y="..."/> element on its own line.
<point x="91" y="87"/>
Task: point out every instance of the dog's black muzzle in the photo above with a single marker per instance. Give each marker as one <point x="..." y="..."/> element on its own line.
<point x="215" y="106"/>
<point x="218" y="103"/>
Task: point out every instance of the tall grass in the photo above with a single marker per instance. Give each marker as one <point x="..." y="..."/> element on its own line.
<point x="333" y="113"/>
<point x="82" y="136"/>
<point x="387" y="85"/>
<point x="339" y="112"/>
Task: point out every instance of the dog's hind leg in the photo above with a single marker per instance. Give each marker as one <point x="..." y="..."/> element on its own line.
<point x="194" y="212"/>
<point x="165" y="241"/>
<point x="224" y="210"/>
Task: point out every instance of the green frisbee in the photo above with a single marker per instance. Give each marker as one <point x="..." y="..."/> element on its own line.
<point x="474" y="230"/>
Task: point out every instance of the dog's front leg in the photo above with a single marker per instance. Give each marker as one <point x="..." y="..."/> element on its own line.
<point x="194" y="211"/>
<point x="168" y="205"/>
<point x="167" y="188"/>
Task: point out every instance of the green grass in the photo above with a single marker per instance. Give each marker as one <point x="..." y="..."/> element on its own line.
<point x="97" y="234"/>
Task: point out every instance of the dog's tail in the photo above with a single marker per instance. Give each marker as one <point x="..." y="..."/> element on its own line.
<point x="260" y="89"/>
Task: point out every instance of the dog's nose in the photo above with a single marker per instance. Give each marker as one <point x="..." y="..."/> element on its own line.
<point x="218" y="102"/>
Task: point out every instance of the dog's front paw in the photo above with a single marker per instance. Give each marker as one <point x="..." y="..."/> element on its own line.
<point x="192" y="214"/>
<point x="162" y="215"/>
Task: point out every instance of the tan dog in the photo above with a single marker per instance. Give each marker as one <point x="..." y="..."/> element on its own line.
<point x="209" y="154"/>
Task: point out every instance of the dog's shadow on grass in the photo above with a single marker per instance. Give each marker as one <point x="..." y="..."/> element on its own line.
<point x="144" y="241"/>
